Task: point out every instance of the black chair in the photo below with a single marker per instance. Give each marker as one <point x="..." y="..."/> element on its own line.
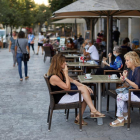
<point x="132" y="104"/>
<point x="54" y="106"/>
<point x="47" y="51"/>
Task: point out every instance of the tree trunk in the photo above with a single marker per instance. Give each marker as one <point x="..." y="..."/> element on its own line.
<point x="11" y="30"/>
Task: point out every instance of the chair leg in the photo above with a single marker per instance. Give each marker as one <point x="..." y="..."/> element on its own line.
<point x="128" y="125"/>
<point x="50" y="119"/>
<point x="95" y="96"/>
<point x="48" y="115"/>
<point x="80" y="118"/>
<point x="103" y="90"/>
<point x="107" y="108"/>
<point x="67" y="115"/>
<point x="75" y="112"/>
<point x="65" y="112"/>
<point x="115" y="108"/>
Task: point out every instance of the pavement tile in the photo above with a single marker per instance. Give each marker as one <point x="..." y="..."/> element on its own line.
<point x="24" y="108"/>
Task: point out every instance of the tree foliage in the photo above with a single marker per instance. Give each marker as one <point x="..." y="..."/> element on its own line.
<point x="23" y="13"/>
<point x="58" y="4"/>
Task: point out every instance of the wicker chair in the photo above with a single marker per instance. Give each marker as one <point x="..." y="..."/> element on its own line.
<point x="131" y="104"/>
<point x="54" y="106"/>
<point x="47" y="51"/>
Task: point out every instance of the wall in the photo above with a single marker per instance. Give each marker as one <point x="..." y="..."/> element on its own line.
<point x="135" y="28"/>
<point x="123" y="29"/>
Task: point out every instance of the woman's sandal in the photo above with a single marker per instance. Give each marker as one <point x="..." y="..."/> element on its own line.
<point x="96" y="114"/>
<point x="119" y="123"/>
<point x="126" y="119"/>
<point x="78" y="122"/>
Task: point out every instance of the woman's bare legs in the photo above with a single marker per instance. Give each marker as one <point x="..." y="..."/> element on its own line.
<point x="84" y="104"/>
<point x="87" y="98"/>
<point x="87" y="101"/>
<point x="42" y="50"/>
<point x="38" y="50"/>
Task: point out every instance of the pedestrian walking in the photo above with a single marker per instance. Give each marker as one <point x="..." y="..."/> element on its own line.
<point x="31" y="39"/>
<point x="116" y="35"/>
<point x="21" y="47"/>
<point x="12" y="47"/>
<point x="40" y="42"/>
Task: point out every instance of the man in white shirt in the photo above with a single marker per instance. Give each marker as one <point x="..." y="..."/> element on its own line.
<point x="92" y="51"/>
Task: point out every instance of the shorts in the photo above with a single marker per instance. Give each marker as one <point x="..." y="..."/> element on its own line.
<point x="40" y="44"/>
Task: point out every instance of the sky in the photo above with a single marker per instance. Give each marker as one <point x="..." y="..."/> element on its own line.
<point x="41" y="2"/>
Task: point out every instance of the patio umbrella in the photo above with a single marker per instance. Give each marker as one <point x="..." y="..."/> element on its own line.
<point x="69" y="20"/>
<point x="99" y="8"/>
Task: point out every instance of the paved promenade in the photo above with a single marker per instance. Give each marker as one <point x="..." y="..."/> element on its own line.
<point x="24" y="107"/>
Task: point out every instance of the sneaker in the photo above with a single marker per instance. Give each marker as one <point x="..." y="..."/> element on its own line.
<point x="26" y="77"/>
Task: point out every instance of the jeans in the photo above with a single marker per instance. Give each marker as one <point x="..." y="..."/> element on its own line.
<point x="19" y="60"/>
<point x="14" y="56"/>
<point x="31" y="45"/>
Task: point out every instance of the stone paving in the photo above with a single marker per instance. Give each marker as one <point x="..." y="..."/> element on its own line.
<point x="24" y="107"/>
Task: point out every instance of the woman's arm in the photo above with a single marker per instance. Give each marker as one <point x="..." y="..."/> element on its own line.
<point x="10" y="43"/>
<point x="132" y="84"/>
<point x="80" y="84"/>
<point x="27" y="47"/>
<point x="56" y="81"/>
<point x="124" y="78"/>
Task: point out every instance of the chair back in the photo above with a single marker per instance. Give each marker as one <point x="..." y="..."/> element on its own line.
<point x="47" y="51"/>
<point x="52" y="102"/>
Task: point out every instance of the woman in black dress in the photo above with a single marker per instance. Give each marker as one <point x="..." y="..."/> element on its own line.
<point x="59" y="80"/>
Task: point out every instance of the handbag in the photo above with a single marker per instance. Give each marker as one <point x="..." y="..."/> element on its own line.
<point x="25" y="57"/>
<point x="123" y="89"/>
<point x="32" y="42"/>
<point x="73" y="87"/>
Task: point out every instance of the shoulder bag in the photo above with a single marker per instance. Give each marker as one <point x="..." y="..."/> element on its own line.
<point x="25" y="55"/>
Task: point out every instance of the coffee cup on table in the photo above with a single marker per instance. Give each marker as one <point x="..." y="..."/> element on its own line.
<point x="114" y="76"/>
<point x="88" y="75"/>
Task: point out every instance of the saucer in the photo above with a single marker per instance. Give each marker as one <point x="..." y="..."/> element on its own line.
<point x="88" y="78"/>
<point x="114" y="78"/>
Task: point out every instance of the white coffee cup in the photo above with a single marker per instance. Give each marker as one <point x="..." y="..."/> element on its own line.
<point x="88" y="75"/>
<point x="114" y="76"/>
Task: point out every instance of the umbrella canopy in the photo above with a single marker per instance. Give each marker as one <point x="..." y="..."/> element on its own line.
<point x="70" y="20"/>
<point x="98" y="8"/>
<point x="101" y="8"/>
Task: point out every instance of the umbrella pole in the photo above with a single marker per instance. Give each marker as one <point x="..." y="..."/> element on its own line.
<point x="75" y="28"/>
<point x="107" y="48"/>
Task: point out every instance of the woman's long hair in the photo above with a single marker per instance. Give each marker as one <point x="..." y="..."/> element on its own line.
<point x="134" y="58"/>
<point x="55" y="67"/>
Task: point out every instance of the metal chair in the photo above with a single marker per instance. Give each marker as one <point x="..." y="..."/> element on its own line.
<point x="54" y="106"/>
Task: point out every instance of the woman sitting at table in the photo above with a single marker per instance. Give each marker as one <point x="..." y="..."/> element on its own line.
<point x="118" y="64"/>
<point x="59" y="80"/>
<point x="132" y="79"/>
<point x="70" y="44"/>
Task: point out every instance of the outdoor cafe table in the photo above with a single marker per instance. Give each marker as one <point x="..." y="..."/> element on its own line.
<point x="81" y="64"/>
<point x="69" y="51"/>
<point x="72" y="56"/>
<point x="98" y="79"/>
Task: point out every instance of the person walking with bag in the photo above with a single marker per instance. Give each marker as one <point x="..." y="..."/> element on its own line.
<point x="40" y="42"/>
<point x="31" y="39"/>
<point x="21" y="48"/>
<point x="12" y="47"/>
